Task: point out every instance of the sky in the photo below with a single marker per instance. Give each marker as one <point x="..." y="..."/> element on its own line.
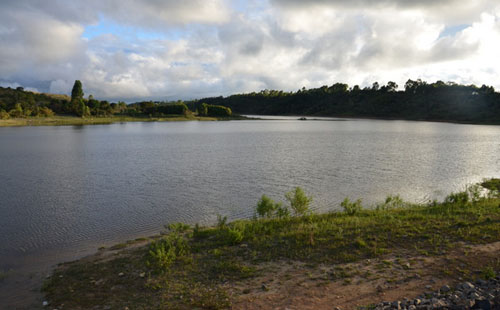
<point x="135" y="50"/>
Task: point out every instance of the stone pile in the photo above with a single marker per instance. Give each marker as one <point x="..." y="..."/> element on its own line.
<point x="482" y="294"/>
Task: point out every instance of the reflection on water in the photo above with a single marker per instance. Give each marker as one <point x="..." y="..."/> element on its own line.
<point x="68" y="190"/>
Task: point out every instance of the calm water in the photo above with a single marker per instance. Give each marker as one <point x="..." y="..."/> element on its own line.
<point x="65" y="191"/>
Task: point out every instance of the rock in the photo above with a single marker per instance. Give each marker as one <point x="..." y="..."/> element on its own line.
<point x="412" y="307"/>
<point x="482" y="304"/>
<point x="396" y="305"/>
<point x="474" y="295"/>
<point x="121" y="274"/>
<point x="428" y="287"/>
<point x="439" y="304"/>
<point x="467" y="286"/>
<point x="142" y="274"/>
<point x="445" y="289"/>
<point x="417" y="302"/>
<point x="45" y="303"/>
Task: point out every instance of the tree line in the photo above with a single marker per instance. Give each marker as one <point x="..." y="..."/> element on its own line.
<point x="418" y="100"/>
<point x="18" y="103"/>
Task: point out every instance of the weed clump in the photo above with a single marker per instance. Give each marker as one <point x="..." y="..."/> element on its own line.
<point x="390" y="203"/>
<point x="164" y="252"/>
<point x="351" y="208"/>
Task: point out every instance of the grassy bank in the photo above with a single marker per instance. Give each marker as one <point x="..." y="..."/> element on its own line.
<point x="209" y="267"/>
<point x="73" y="120"/>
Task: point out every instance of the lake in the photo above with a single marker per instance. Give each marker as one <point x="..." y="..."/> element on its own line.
<point x="65" y="191"/>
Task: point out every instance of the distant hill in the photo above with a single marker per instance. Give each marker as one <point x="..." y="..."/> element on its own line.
<point x="419" y="100"/>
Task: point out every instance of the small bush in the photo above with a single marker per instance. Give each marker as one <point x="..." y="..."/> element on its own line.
<point x="460" y="198"/>
<point x="221" y="221"/>
<point x="488" y="273"/>
<point x="202" y="233"/>
<point x="164" y="252"/>
<point x="493" y="185"/>
<point x="45" y="112"/>
<point x="282" y="212"/>
<point x="351" y="208"/>
<point x="391" y="202"/>
<point x="265" y="207"/>
<point x="233" y="236"/>
<point x="298" y="200"/>
<point x="213" y="110"/>
<point x="4" y="114"/>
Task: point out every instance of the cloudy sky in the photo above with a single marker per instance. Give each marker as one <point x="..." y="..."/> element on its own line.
<point x="169" y="49"/>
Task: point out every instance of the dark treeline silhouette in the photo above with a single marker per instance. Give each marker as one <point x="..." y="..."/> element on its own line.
<point x="418" y="101"/>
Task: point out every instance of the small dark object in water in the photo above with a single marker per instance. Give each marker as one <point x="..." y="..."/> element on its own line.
<point x="302" y="119"/>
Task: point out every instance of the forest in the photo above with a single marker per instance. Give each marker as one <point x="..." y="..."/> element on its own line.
<point x="419" y="100"/>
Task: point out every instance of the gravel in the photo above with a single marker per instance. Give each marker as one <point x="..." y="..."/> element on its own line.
<point x="482" y="294"/>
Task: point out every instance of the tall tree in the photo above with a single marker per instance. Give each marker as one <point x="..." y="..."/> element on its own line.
<point x="77" y="91"/>
<point x="77" y="103"/>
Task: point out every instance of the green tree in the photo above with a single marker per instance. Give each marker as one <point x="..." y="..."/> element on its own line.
<point x="77" y="91"/>
<point x="77" y="103"/>
<point x="203" y="109"/>
<point x="298" y="200"/>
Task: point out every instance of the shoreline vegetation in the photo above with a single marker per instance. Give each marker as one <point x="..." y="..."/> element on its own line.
<point x="25" y="108"/>
<point x="419" y="101"/>
<point x="104" y="120"/>
<point x="288" y="256"/>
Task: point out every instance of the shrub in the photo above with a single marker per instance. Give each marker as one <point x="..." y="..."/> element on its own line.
<point x="175" y="108"/>
<point x="17" y="111"/>
<point x="45" y="112"/>
<point x="351" y="208"/>
<point x="460" y="198"/>
<point x="298" y="200"/>
<point x="282" y="212"/>
<point x="488" y="273"/>
<point x="391" y="202"/>
<point x="164" y="252"/>
<point x="221" y="221"/>
<point x="233" y="236"/>
<point x="266" y="207"/>
<point x="4" y="114"/>
<point x="493" y="185"/>
<point x="213" y="110"/>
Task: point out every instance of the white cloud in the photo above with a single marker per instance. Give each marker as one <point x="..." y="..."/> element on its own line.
<point x="219" y="51"/>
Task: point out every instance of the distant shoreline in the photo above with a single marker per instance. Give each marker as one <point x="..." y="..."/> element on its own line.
<point x="79" y="121"/>
<point x="346" y="118"/>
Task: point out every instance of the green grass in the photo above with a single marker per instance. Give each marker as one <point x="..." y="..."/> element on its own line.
<point x="188" y="267"/>
<point x="73" y="120"/>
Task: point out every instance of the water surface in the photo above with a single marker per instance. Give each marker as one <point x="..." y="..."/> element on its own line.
<point x="67" y="190"/>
